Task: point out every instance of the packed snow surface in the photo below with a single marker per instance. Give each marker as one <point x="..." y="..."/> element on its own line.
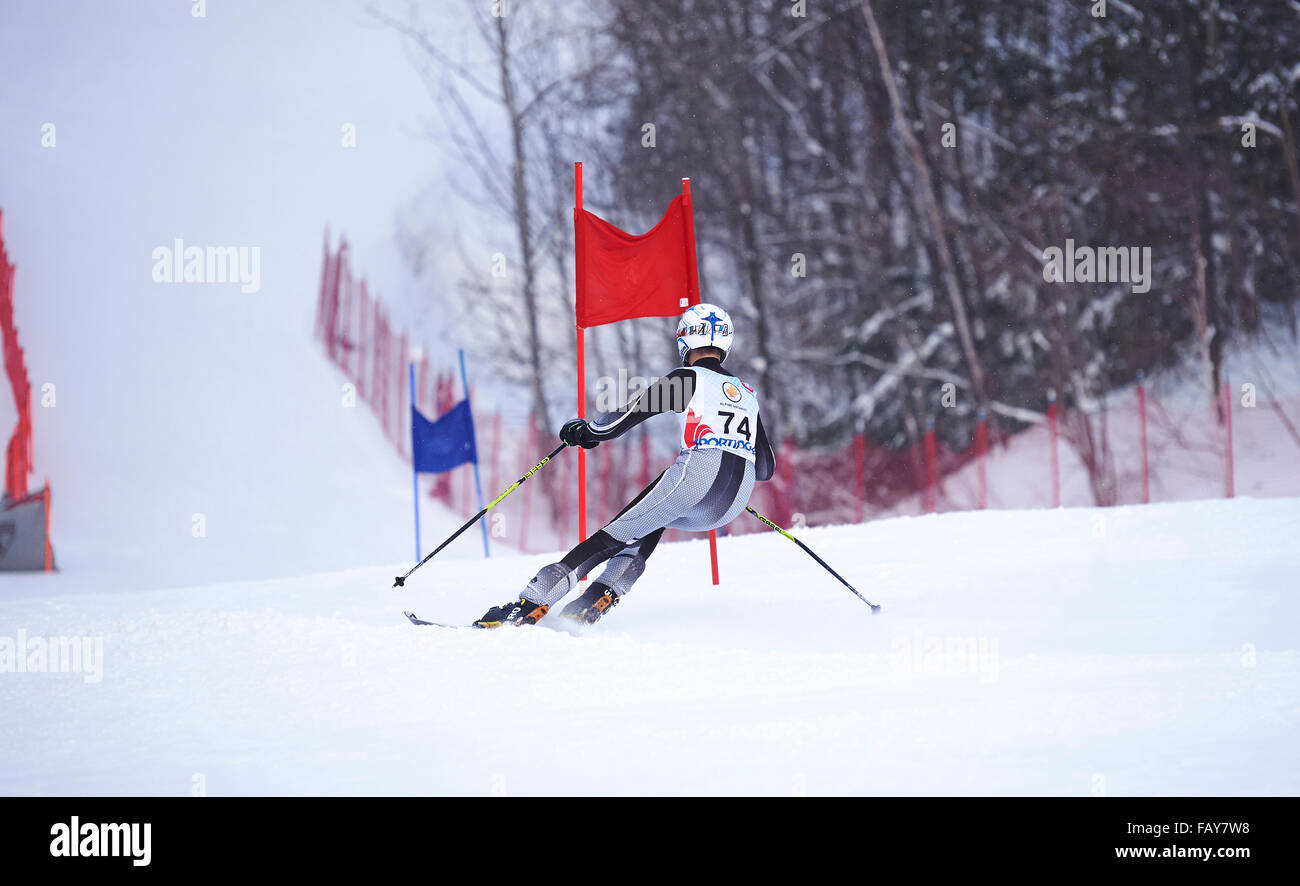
<point x="1135" y="650"/>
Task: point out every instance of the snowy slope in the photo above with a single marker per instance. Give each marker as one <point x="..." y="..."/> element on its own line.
<point x="1136" y="650"/>
<point x="177" y="400"/>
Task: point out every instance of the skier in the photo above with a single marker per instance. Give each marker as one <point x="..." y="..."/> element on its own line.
<point x="724" y="449"/>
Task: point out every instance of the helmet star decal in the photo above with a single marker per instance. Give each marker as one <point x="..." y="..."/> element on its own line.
<point x="714" y="320"/>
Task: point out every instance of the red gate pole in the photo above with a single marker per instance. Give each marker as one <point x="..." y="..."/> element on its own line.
<point x="929" y="467"/>
<point x="1228" y="479"/>
<point x="859" y="475"/>
<point x="579" y="256"/>
<point x="981" y="456"/>
<point x="1051" y="436"/>
<point x="1142" y="439"/>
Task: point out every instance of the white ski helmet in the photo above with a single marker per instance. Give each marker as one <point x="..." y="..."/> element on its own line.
<point x="704" y="326"/>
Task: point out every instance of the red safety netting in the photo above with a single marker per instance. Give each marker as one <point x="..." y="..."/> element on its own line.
<point x="18" y="452"/>
<point x="358" y="338"/>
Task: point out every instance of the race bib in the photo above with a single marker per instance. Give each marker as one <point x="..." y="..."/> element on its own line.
<point x="722" y="414"/>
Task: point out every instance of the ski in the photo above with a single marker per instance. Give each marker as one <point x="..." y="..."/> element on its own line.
<point x="433" y="624"/>
<point x="562" y="626"/>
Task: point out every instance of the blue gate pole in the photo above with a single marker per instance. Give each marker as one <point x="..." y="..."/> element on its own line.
<point x="478" y="485"/>
<point x="415" y="475"/>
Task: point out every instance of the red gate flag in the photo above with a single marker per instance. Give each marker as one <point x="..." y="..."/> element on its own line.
<point x="627" y="275"/>
<point x="620" y="276"/>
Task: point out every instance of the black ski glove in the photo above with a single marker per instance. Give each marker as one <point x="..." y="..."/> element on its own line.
<point x="576" y="433"/>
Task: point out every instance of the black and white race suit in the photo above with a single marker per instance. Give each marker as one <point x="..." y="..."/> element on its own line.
<point x="723" y="449"/>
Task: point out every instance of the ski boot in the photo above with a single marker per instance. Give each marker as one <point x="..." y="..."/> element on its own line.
<point x="521" y="612"/>
<point x="594" y="602"/>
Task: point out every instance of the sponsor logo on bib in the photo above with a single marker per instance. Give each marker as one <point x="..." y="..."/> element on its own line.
<point x="724" y="443"/>
<point x="696" y="429"/>
<point x="732" y="392"/>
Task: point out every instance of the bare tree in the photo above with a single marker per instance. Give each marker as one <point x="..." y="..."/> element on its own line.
<point x="933" y="214"/>
<point x="521" y="63"/>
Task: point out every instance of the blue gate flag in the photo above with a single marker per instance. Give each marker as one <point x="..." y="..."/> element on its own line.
<point x="441" y="445"/>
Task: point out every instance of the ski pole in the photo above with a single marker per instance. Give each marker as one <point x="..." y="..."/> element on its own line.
<point x="400" y="580"/>
<point x="874" y="607"/>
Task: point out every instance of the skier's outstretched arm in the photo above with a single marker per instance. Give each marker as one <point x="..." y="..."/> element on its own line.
<point x="670" y="393"/>
<point x="764" y="458"/>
